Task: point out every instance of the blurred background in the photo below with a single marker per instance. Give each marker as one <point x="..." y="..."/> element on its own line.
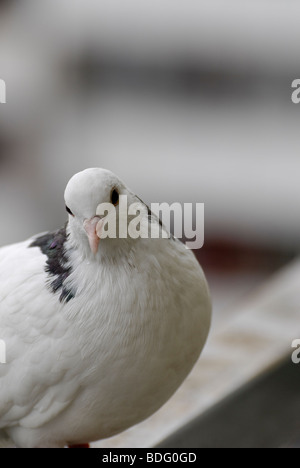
<point x="185" y="101"/>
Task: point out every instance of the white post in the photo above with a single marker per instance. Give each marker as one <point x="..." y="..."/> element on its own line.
<point x="2" y="92"/>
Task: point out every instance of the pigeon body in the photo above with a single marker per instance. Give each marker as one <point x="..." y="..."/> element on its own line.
<point x="99" y="333"/>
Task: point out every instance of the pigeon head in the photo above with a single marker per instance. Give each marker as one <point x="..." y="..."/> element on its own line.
<point x="92" y="201"/>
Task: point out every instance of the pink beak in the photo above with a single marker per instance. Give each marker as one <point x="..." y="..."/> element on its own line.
<point x="93" y="229"/>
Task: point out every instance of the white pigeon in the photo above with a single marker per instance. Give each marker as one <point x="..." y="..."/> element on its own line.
<point x="99" y="333"/>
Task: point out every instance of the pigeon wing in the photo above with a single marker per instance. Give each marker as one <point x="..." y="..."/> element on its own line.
<point x="36" y="381"/>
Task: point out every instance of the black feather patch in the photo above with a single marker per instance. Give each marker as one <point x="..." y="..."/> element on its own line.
<point x="53" y="246"/>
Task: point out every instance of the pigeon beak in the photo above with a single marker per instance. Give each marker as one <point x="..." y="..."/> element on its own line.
<point x="93" y="228"/>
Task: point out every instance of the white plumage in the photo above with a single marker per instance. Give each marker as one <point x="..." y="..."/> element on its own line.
<point x="96" y="341"/>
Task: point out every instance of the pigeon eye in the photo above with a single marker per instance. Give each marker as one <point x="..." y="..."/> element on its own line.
<point x="114" y="197"/>
<point x="69" y="211"/>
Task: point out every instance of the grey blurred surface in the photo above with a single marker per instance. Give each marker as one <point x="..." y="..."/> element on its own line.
<point x="264" y="414"/>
